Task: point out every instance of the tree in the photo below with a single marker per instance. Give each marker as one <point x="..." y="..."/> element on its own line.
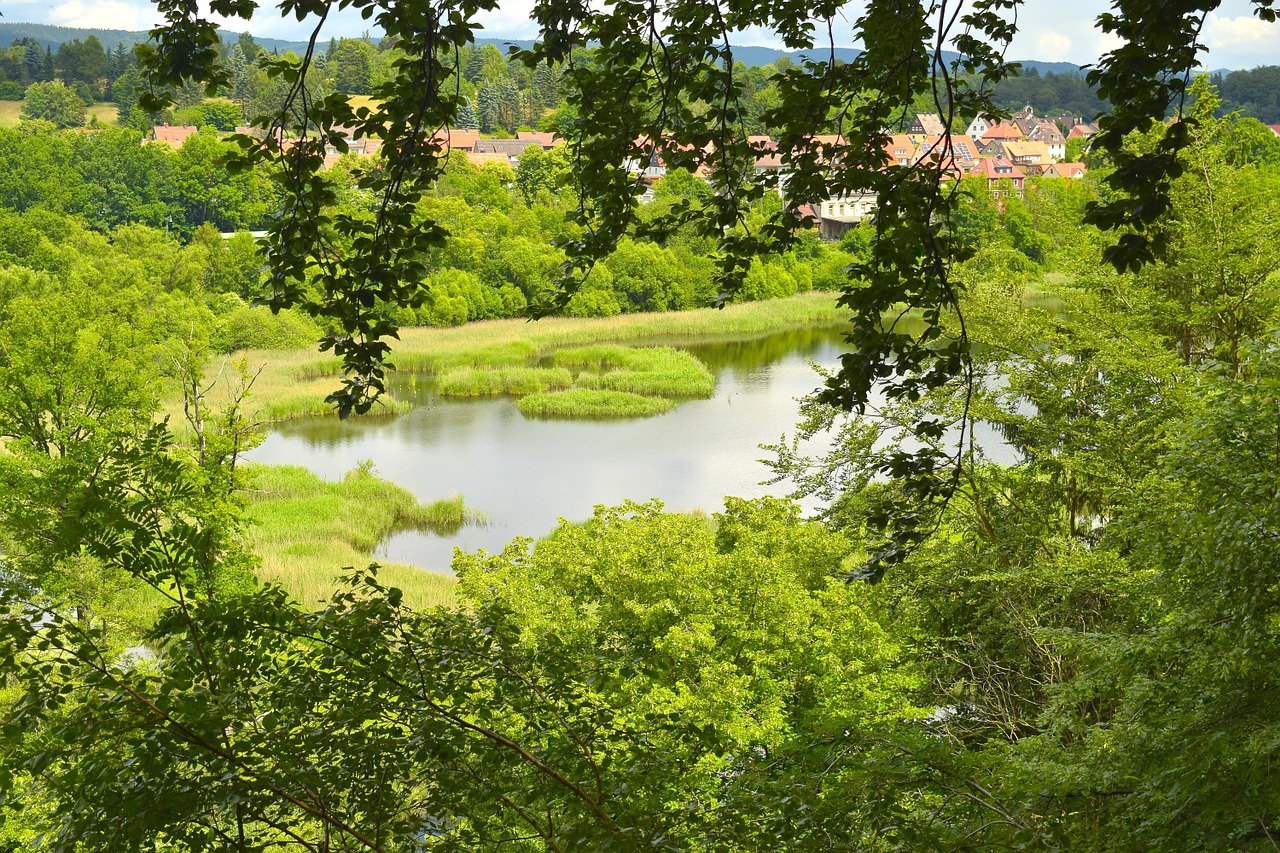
<point x="349" y="63"/>
<point x="85" y="62"/>
<point x="53" y="102"/>
<point x="1215" y="288"/>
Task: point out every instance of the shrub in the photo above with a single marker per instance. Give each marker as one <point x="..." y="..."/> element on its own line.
<point x="258" y="328"/>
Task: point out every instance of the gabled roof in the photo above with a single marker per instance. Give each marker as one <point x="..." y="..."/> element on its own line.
<point x="458" y="138"/>
<point x="1003" y="130"/>
<point x="175" y="135"/>
<point x="995" y="168"/>
<point x="1017" y="149"/>
<point x="1026" y="125"/>
<point x="544" y="138"/>
<point x="510" y="147"/>
<point x="901" y="150"/>
<point x="1080" y="130"/>
<point x="1275" y="128"/>
<point x="1066" y="170"/>
<point x="1046" y="132"/>
<point x="930" y="123"/>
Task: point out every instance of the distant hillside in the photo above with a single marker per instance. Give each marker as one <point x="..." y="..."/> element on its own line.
<point x="755" y="55"/>
<point x="51" y="36"/>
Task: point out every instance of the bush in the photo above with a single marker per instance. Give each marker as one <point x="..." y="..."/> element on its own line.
<point x="258" y="328"/>
<point x="10" y="90"/>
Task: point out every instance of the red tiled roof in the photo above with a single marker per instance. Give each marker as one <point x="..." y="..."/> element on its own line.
<point x="1003" y="130"/>
<point x="175" y="135"/>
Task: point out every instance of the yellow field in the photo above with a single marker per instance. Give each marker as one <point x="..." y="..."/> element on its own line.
<point x="108" y="114"/>
<point x="11" y="113"/>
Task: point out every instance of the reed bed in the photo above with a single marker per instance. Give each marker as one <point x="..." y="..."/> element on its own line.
<point x="307" y="529"/>
<point x="487" y="381"/>
<point x="647" y="371"/>
<point x="586" y="403"/>
<point x="295" y="382"/>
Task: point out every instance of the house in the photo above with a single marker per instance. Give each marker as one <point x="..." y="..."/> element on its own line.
<point x="977" y="128"/>
<point x="173" y="135"/>
<point x="512" y="148"/>
<point x="839" y="214"/>
<point x="1275" y="128"/>
<point x="901" y="150"/>
<point x="1065" y="170"/>
<point x="546" y="139"/>
<point x="1004" y="180"/>
<point x="1002" y="131"/>
<point x="1083" y="130"/>
<point x="457" y="138"/>
<point x="956" y="154"/>
<point x="1048" y="133"/>
<point x="1026" y="154"/>
<point x="926" y="125"/>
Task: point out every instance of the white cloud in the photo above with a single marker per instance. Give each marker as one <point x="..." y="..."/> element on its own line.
<point x="105" y="14"/>
<point x="1053" y="47"/>
<point x="1107" y="42"/>
<point x="1244" y="33"/>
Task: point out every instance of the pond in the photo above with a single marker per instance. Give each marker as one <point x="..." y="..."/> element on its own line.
<point x="524" y="474"/>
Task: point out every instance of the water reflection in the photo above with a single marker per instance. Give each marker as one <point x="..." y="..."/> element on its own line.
<point x="527" y="473"/>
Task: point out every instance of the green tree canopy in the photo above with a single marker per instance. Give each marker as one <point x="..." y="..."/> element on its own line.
<point x="53" y="102"/>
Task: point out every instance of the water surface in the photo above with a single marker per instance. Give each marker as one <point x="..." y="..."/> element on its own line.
<point x="526" y="473"/>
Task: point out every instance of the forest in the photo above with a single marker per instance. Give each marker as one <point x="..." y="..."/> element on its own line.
<point x="1074" y="650"/>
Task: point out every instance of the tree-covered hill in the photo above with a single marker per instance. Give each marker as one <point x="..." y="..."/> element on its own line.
<point x="52" y="36"/>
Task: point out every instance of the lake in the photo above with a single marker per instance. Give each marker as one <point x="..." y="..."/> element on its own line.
<point x="524" y="474"/>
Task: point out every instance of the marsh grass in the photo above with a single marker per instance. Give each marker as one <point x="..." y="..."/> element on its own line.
<point x="307" y="530"/>
<point x="597" y="405"/>
<point x="294" y="383"/>
<point x="484" y="381"/>
<point x="646" y="371"/>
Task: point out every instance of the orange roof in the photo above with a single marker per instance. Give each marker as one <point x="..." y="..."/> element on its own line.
<point x="1003" y="130"/>
<point x="1067" y="170"/>
<point x="994" y="168"/>
<point x="545" y="139"/>
<point x="900" y="150"/>
<point x="457" y="138"/>
<point x="479" y="159"/>
<point x="175" y="135"/>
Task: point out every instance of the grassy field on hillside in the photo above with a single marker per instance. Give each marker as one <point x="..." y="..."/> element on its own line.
<point x="11" y="113"/>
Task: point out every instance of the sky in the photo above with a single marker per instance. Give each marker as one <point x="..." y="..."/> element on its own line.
<point x="1050" y="30"/>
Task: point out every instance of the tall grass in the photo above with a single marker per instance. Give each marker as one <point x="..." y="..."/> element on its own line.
<point x="587" y="403"/>
<point x="485" y="381"/>
<point x="647" y="371"/>
<point x="307" y="530"/>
